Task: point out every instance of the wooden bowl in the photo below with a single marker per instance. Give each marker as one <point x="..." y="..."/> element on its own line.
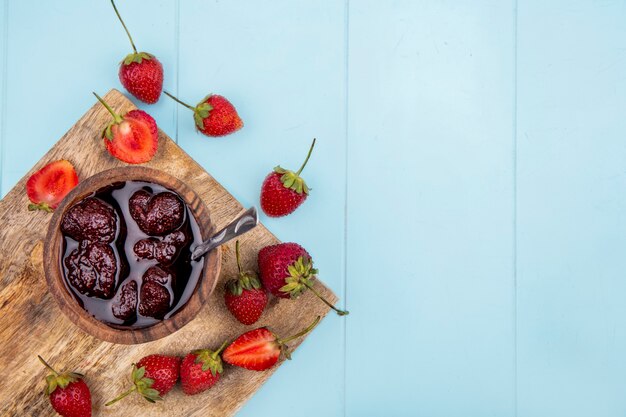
<point x="66" y="301"/>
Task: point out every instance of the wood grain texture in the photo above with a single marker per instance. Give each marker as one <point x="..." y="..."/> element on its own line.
<point x="33" y="324"/>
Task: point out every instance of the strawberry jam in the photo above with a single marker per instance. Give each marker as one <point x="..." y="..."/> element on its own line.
<point x="126" y="253"/>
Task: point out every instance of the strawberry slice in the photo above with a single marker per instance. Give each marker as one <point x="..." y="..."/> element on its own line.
<point x="260" y="349"/>
<point x="256" y="350"/>
<point x="132" y="138"/>
<point x="47" y="187"/>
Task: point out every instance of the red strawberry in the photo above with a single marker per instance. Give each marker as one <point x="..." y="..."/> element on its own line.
<point x="132" y="138"/>
<point x="68" y="393"/>
<point x="47" y="187"/>
<point x="140" y="73"/>
<point x="283" y="191"/>
<point x="244" y="296"/>
<point x="287" y="271"/>
<point x="260" y="349"/>
<point x="153" y="377"/>
<point x="214" y="115"/>
<point x="200" y="370"/>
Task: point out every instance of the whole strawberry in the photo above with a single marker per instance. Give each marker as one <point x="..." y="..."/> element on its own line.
<point x="286" y="270"/>
<point x="153" y="377"/>
<point x="200" y="370"/>
<point x="283" y="191"/>
<point x="140" y="73"/>
<point x="132" y="138"/>
<point x="47" y="187"/>
<point x="244" y="297"/>
<point x="214" y="115"/>
<point x="68" y="393"/>
<point x="260" y="349"/>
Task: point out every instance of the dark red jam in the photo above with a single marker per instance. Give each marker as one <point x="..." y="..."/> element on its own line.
<point x="126" y="253"/>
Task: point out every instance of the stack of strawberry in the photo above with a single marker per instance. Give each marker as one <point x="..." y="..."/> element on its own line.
<point x="285" y="270"/>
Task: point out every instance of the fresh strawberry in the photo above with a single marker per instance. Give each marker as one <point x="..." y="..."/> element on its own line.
<point x="153" y="377"/>
<point x="260" y="349"/>
<point x="214" y="115"/>
<point x="200" y="370"/>
<point x="68" y="393"/>
<point x="140" y="73"/>
<point x="283" y="191"/>
<point x="132" y="138"/>
<point x="47" y="187"/>
<point x="245" y="297"/>
<point x="286" y="270"/>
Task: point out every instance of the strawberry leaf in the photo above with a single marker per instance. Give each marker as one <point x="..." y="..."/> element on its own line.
<point x="136" y="57"/>
<point x="201" y="112"/>
<point x="61" y="381"/>
<point x="204" y="109"/>
<point x="292" y="181"/>
<point x="40" y="206"/>
<point x="144" y="384"/>
<point x="138" y="373"/>
<point x="234" y="287"/>
<point x="52" y="384"/>
<point x="292" y="270"/>
<point x="300" y="277"/>
<point x="210" y="361"/>
<point x="151" y="393"/>
<point x="108" y="133"/>
<point x="199" y="121"/>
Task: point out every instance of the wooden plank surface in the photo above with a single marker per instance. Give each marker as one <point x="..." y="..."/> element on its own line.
<point x="36" y="326"/>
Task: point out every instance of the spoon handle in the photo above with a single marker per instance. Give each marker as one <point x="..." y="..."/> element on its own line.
<point x="242" y="224"/>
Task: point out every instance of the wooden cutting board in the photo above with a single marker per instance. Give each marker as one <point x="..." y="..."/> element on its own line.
<point x="31" y="323"/>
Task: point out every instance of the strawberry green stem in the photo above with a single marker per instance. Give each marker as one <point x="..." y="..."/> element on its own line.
<point x="302" y="333"/>
<point x="116" y="117"/>
<point x="178" y="101"/>
<point x="48" y="366"/>
<point x="119" y="397"/>
<point x="217" y="352"/>
<point x="307" y="158"/>
<point x="40" y="206"/>
<point x="125" y="28"/>
<point x="237" y="256"/>
<point x="339" y="312"/>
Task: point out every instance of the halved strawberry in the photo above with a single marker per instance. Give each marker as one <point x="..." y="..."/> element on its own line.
<point x="260" y="349"/>
<point x="47" y="187"/>
<point x="132" y="138"/>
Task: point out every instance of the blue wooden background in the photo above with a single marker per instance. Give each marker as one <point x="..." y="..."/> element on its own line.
<point x="469" y="183"/>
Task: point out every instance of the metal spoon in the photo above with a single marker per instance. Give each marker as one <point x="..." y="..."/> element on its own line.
<point x="242" y="224"/>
